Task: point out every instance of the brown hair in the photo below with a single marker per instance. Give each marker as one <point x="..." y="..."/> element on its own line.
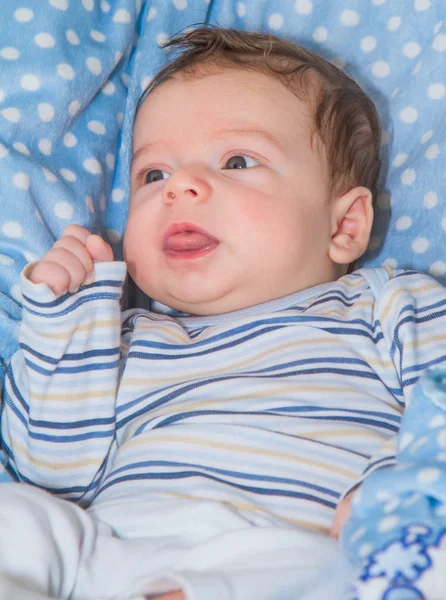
<point x="346" y="125"/>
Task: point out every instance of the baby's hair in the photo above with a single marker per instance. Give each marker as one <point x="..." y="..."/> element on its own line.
<point x="346" y="129"/>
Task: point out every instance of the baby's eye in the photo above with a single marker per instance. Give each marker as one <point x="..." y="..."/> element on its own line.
<point x="240" y="162"/>
<point x="155" y="175"/>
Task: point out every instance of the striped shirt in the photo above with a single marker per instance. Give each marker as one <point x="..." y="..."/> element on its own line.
<point x="276" y="409"/>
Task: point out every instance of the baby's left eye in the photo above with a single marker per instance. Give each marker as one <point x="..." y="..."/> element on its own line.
<point x="240" y="162"/>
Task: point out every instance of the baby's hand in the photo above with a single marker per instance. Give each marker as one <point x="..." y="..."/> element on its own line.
<point x="69" y="263"/>
<point x="342" y="514"/>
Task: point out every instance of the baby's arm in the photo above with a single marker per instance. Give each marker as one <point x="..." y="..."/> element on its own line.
<point x="58" y="422"/>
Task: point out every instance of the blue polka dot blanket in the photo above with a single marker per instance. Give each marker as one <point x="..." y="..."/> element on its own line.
<point x="72" y="71"/>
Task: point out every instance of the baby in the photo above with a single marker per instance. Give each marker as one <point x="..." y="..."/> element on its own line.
<point x="207" y="438"/>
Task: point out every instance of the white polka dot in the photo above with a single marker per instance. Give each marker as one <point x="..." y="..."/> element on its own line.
<point x="46" y="112"/>
<point x="110" y="161"/>
<point x="23" y="15"/>
<point x="275" y="21"/>
<point x="417" y="67"/>
<point x="105" y="6"/>
<point x="443" y="223"/>
<point x="45" y="40"/>
<point x="92" y="166"/>
<point x="437" y="268"/>
<point x="441" y="438"/>
<point x="436" y="91"/>
<point x="368" y="43"/>
<point x="102" y="203"/>
<point x="11" y="114"/>
<point x="432" y="152"/>
<point x="428" y="475"/>
<point x="152" y="13"/>
<point x="19" y="147"/>
<point x="426" y="136"/>
<point x="380" y="68"/>
<point x="96" y="127"/>
<point x="109" y="88"/>
<point x="60" y="4"/>
<point x="30" y="256"/>
<point x="411" y="49"/>
<point x="400" y="159"/>
<point x="88" y="5"/>
<point x="21" y="181"/>
<point x="125" y="78"/>
<point x="339" y="62"/>
<point x="2" y="95"/>
<point x="68" y="175"/>
<point x="30" y="82"/>
<point x="3" y="151"/>
<point x="358" y="534"/>
<point x="430" y="200"/>
<point x="180" y="4"/>
<point x="350" y="18"/>
<point x="72" y="37"/>
<point x="118" y="56"/>
<point x="162" y="38"/>
<point x="384" y="201"/>
<point x="385" y="137"/>
<point x="303" y="7"/>
<point x="74" y="107"/>
<point x="69" y="140"/>
<point x="422" y="4"/>
<point x="122" y="16"/>
<point x="89" y="203"/>
<point x="16" y="292"/>
<point x="12" y="229"/>
<point x="146" y="82"/>
<point x="118" y="195"/>
<point x="65" y="71"/>
<point x="390" y="262"/>
<point x="408" y="176"/>
<point x="10" y="53"/>
<point x="97" y="36"/>
<point x="120" y="118"/>
<point x="320" y="34"/>
<point x="49" y="175"/>
<point x="113" y="236"/>
<point x="388" y="523"/>
<point x="63" y="210"/>
<point x="45" y="146"/>
<point x="394" y="23"/>
<point x="437" y="27"/>
<point x="391" y="505"/>
<point x="409" y="114"/>
<point x="439" y="43"/>
<point x="440" y="511"/>
<point x="378" y="2"/>
<point x="406" y="438"/>
<point x="94" y="65"/>
<point x="365" y="549"/>
<point x="6" y="260"/>
<point x="420" y="245"/>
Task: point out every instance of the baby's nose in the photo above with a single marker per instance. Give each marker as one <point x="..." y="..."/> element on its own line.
<point x="187" y="186"/>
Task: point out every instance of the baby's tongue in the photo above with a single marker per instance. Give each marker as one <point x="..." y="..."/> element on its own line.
<point x="189" y="240"/>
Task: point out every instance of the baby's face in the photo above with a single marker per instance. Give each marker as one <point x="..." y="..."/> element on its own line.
<point x="229" y="203"/>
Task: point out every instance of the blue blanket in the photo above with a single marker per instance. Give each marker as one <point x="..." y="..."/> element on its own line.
<point x="71" y="73"/>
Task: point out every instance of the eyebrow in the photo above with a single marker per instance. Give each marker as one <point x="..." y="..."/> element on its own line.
<point x="243" y="130"/>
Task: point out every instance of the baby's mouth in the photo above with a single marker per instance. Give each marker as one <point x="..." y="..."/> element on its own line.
<point x="186" y="240"/>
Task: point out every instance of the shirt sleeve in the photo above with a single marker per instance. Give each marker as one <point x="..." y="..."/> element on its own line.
<point x="58" y="421"/>
<point x="411" y="311"/>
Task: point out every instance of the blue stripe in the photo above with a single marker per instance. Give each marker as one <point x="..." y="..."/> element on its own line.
<point x="70" y="356"/>
<point x="80" y="369"/>
<point x="62" y="299"/>
<point x="72" y="306"/>
<point x="245" y="488"/>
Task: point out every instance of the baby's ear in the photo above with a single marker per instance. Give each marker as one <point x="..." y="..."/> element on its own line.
<point x="352" y="223"/>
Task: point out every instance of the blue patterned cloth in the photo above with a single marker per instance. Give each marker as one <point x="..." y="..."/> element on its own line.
<point x="397" y="533"/>
<point x="71" y="72"/>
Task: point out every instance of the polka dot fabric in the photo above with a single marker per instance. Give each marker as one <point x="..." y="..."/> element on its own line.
<point x="71" y="73"/>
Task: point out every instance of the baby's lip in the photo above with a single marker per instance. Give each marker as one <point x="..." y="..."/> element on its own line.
<point x="176" y="237"/>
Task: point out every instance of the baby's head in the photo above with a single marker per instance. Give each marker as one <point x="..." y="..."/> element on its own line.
<point x="254" y="165"/>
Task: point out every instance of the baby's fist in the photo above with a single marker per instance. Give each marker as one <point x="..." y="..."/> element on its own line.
<point x="70" y="262"/>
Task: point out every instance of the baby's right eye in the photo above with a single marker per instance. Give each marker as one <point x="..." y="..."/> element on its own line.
<point x="155" y="175"/>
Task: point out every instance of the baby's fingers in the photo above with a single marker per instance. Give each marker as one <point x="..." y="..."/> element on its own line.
<point x="61" y="270"/>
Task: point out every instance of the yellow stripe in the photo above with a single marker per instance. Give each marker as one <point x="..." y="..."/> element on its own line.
<point x="20" y="449"/>
<point x="412" y="290"/>
<point x="157" y="439"/>
<point x="74" y="396"/>
<point x="228" y="368"/>
<point x="97" y="324"/>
